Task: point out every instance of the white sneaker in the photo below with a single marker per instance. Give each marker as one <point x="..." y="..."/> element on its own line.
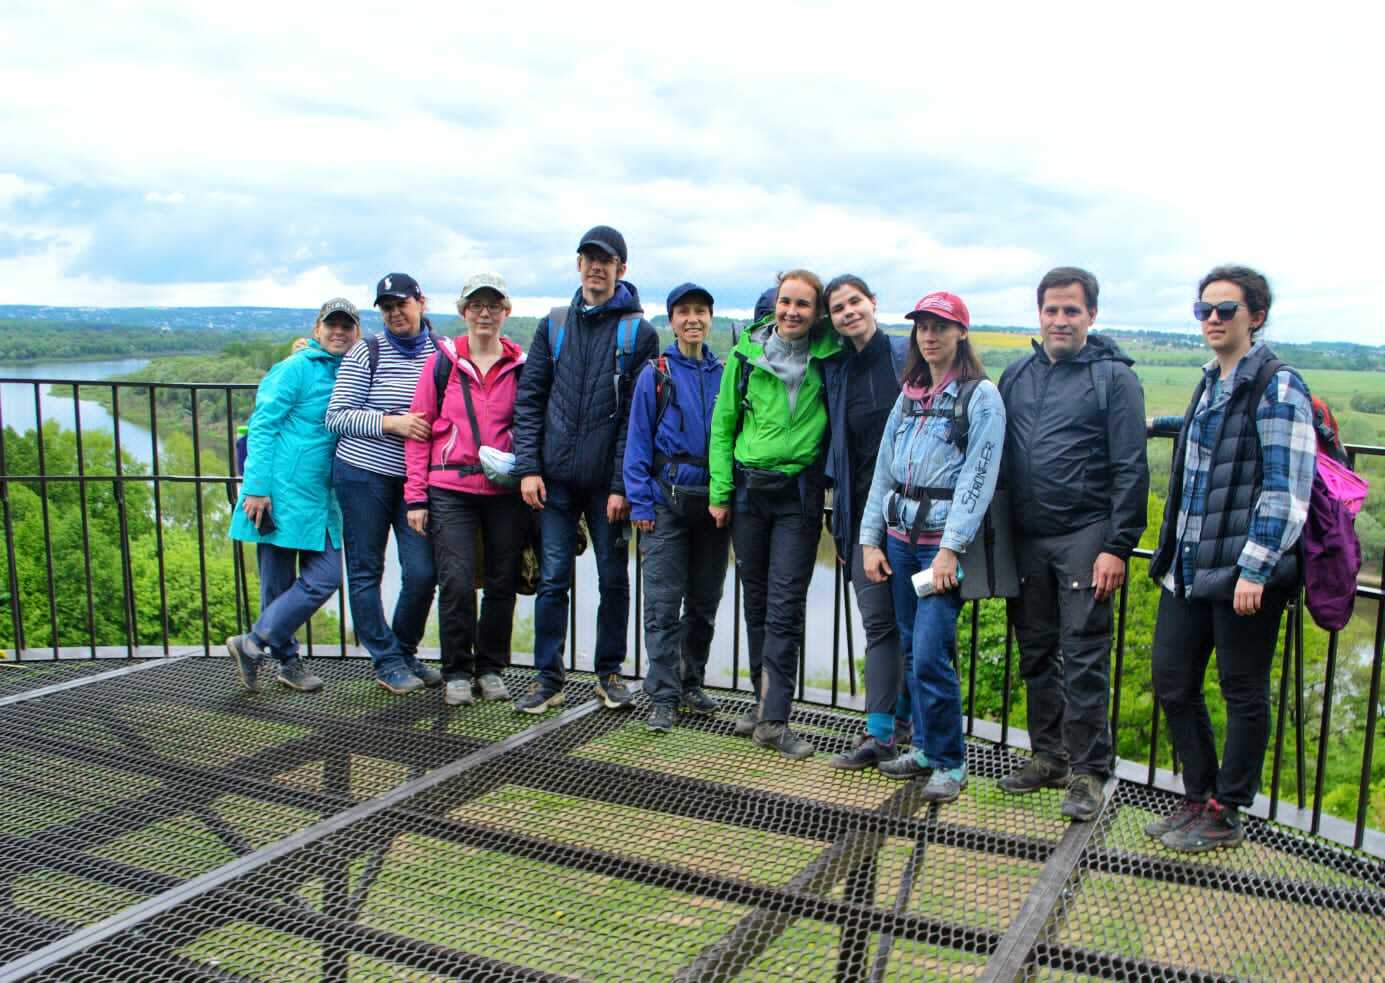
<point x="458" y="692"/>
<point x="493" y="687"/>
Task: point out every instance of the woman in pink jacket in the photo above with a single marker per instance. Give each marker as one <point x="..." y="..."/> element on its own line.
<point x="466" y="393"/>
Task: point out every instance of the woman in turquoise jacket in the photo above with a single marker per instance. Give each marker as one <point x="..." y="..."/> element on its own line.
<point x="287" y="506"/>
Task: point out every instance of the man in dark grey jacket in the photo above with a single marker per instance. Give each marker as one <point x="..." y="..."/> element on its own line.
<point x="1075" y="465"/>
<point x="571" y="413"/>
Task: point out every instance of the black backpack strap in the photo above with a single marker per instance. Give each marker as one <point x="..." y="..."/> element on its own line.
<point x="1102" y="372"/>
<point x="442" y="372"/>
<point x="372" y="351"/>
<point x="742" y="389"/>
<point x="961" y="417"/>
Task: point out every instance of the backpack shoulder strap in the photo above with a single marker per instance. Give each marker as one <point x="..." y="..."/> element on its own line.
<point x="626" y="330"/>
<point x="742" y="389"/>
<point x="1102" y="371"/>
<point x="557" y="328"/>
<point x="372" y="351"/>
<point x="442" y="371"/>
<point x="961" y="418"/>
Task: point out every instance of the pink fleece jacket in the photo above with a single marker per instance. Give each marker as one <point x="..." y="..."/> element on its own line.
<point x="452" y="442"/>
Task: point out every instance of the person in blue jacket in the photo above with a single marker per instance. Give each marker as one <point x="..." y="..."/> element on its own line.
<point x="287" y="506"/>
<point x="684" y="551"/>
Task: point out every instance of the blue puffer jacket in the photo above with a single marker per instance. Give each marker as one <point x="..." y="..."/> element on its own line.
<point x="290" y="454"/>
<point x="683" y="429"/>
<point x="915" y="451"/>
<point x="568" y="426"/>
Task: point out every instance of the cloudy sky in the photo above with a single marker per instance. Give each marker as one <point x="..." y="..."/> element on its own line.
<point x="276" y="154"/>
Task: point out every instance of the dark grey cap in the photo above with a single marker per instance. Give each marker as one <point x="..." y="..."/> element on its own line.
<point x="339" y="305"/>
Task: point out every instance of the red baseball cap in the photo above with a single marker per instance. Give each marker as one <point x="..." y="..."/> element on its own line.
<point x="945" y="305"/>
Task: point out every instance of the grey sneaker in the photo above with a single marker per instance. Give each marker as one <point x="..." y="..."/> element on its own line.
<point x="660" y="718"/>
<point x="1084" y="798"/>
<point x="493" y="687"/>
<point x="869" y="752"/>
<point x="295" y="675"/>
<point x="400" y="682"/>
<point x="1187" y="812"/>
<point x="613" y="692"/>
<point x="772" y="734"/>
<point x="906" y="766"/>
<point x="458" y="693"/>
<point x="1036" y="773"/>
<point x="746" y="723"/>
<point x="246" y="656"/>
<point x="429" y="675"/>
<point x="538" y="701"/>
<point x="944" y="785"/>
<point x="696" y="700"/>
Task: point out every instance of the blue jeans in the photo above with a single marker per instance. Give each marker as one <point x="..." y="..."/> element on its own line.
<point x="372" y="504"/>
<point x="559" y="523"/>
<point x="928" y="631"/>
<point x="293" y="585"/>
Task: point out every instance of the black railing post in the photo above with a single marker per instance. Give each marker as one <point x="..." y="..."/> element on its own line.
<point x="1279" y="729"/>
<point x="1118" y="671"/>
<point x="158" y="515"/>
<point x="127" y="572"/>
<point x="86" y="522"/>
<point x="47" y="524"/>
<point x="836" y="625"/>
<point x="974" y="651"/>
<point x="12" y="569"/>
<point x="1300" y="762"/>
<point x="1364" y="795"/>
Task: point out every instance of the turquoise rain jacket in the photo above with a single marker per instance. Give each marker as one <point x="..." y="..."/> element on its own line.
<point x="290" y="454"/>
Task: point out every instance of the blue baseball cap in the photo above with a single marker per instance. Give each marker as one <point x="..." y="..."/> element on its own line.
<point x="682" y="290"/>
<point x="400" y="286"/>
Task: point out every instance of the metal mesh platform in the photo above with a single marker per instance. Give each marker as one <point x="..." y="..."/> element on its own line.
<point x="164" y="825"/>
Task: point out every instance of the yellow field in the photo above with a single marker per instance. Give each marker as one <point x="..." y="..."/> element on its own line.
<point x="999" y="339"/>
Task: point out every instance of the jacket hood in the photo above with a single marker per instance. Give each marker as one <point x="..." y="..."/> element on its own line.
<point x="825" y="342"/>
<point x="316" y="352"/>
<point x="626" y="300"/>
<point x="708" y="363"/>
<point x="1097" y="348"/>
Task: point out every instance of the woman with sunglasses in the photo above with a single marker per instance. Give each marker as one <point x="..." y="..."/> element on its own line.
<point x="766" y="456"/>
<point x="862" y="387"/>
<point x="453" y="494"/>
<point x="1243" y="466"/>
<point x="916" y="529"/>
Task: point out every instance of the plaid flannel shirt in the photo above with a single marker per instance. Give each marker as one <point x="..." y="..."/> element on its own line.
<point x="1288" y="451"/>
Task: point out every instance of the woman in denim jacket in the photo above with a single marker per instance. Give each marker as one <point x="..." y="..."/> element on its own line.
<point x="927" y="499"/>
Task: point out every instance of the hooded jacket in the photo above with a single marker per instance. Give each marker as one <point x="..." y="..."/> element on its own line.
<point x="1067" y="464"/>
<point x="684" y="428"/>
<point x="453" y="443"/>
<point x="771" y="437"/>
<point x="289" y="454"/>
<point x="569" y="425"/>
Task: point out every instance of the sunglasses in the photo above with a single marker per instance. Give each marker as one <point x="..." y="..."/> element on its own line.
<point x="1226" y="310"/>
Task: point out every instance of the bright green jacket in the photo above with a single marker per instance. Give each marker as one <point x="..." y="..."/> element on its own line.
<point x="771" y="438"/>
<point x="290" y="454"/>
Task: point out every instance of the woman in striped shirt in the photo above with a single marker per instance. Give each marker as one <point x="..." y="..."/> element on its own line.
<point x="370" y="410"/>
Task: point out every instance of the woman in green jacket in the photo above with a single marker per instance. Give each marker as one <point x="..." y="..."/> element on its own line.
<point x="287" y="506"/>
<point x="769" y="439"/>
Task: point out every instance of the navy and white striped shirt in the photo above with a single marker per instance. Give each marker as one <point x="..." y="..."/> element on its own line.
<point x="358" y="407"/>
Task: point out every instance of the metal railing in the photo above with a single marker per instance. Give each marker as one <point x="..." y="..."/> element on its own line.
<point x="194" y="400"/>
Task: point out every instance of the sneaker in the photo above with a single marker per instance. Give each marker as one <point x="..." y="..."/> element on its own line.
<point x="400" y="682"/>
<point x="903" y="733"/>
<point x="1084" y="798"/>
<point x="429" y="675"/>
<point x="747" y="722"/>
<point x="1188" y="810"/>
<point x="493" y="687"/>
<point x="246" y="655"/>
<point x="906" y="766"/>
<point x="458" y="693"/>
<point x="696" y="700"/>
<point x="772" y="734"/>
<point x="295" y="675"/>
<point x="869" y="752"/>
<point x="538" y="701"/>
<point x="1038" y="772"/>
<point x="660" y="718"/>
<point x="1217" y="826"/>
<point x="613" y="692"/>
<point x="944" y="784"/>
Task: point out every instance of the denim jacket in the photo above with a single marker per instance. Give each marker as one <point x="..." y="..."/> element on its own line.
<point x="915" y="451"/>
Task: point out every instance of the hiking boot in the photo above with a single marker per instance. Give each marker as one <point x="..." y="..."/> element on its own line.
<point x="1188" y="811"/>
<point x="429" y="675"/>
<point x="245" y="656"/>
<point x="400" y="682"/>
<point x="538" y="700"/>
<point x="660" y="718"/>
<point x="1084" y="798"/>
<point x="1036" y="773"/>
<point x="944" y="784"/>
<point x="772" y="734"/>
<point x="696" y="700"/>
<point x="903" y="733"/>
<point x="295" y="675"/>
<point x="747" y="722"/>
<point x="458" y="693"/>
<point x="907" y="766"/>
<point x="1217" y="826"/>
<point x="493" y="687"/>
<point x="613" y="692"/>
<point x="869" y="752"/>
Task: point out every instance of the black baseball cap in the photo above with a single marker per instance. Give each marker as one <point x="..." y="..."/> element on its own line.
<point x="765" y="305"/>
<point x="401" y="286"/>
<point x="682" y="290"/>
<point x="607" y="239"/>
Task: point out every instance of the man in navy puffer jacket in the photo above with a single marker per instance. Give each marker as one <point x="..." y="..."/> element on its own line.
<point x="569" y="443"/>
<point x="683" y="549"/>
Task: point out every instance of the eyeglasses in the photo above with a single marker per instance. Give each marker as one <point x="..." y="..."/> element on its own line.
<point x="479" y="307"/>
<point x="1226" y="310"/>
